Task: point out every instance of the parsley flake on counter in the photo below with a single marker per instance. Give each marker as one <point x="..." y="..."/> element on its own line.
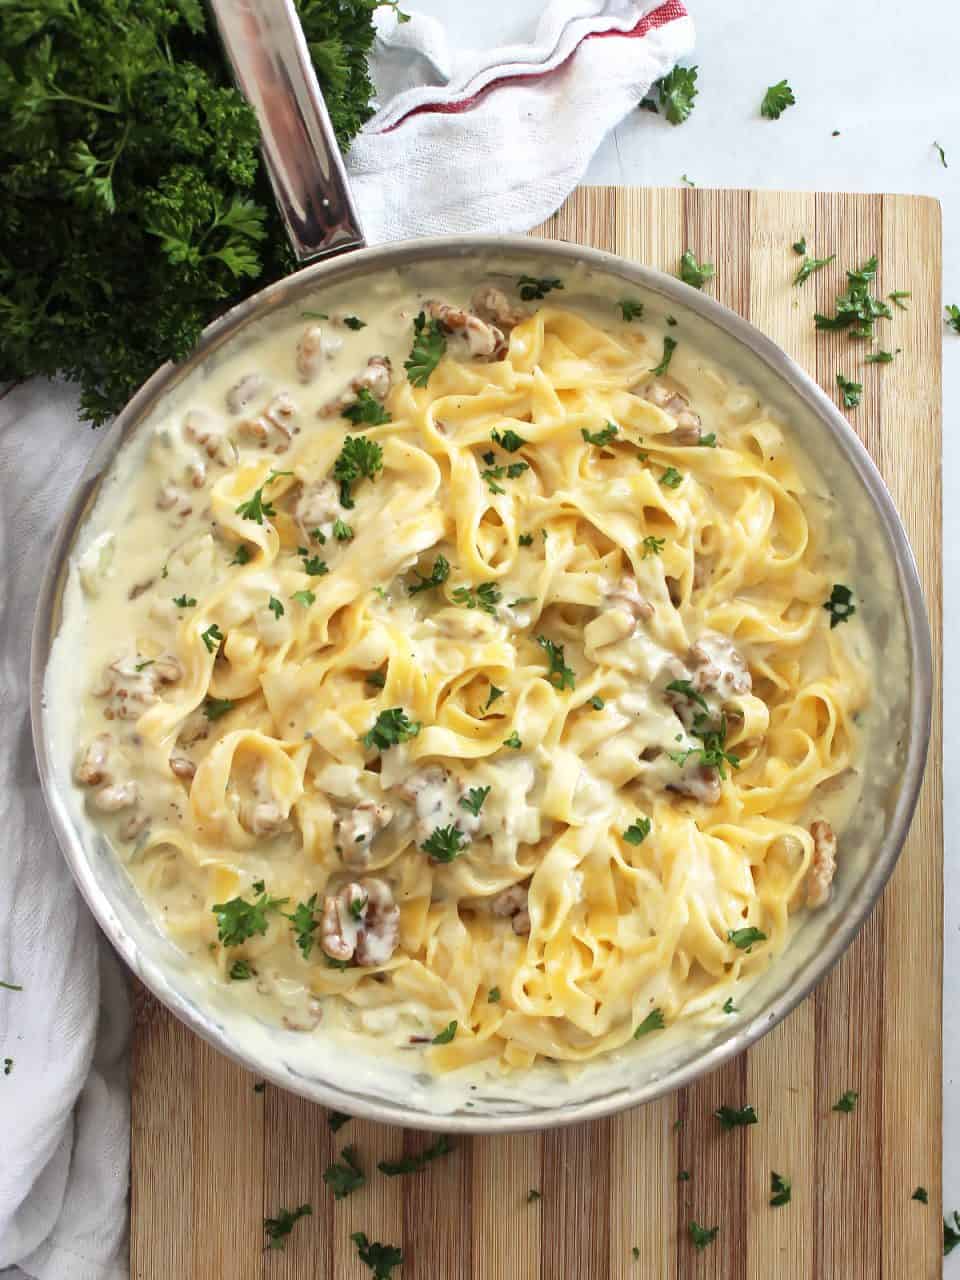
<point x="366" y="410"/>
<point x="744" y="939"/>
<point x="800" y="246"/>
<point x="344" y="1176"/>
<point x="390" y="729"/>
<point x="881" y="357"/>
<point x="708" y="441"/>
<point x="429" y="346"/>
<point x="306" y="598"/>
<point x="729" y="1006"/>
<point x="445" y="844"/>
<point x="533" y="287"/>
<point x="731" y="1118"/>
<point x="436" y="578"/>
<point x="702" y="1236"/>
<point x="676" y="92"/>
<point x="212" y="638"/>
<point x="337" y="1119"/>
<point x="486" y="597"/>
<point x="279" y="1228"/>
<point x="809" y="266"/>
<point x="260" y="1086"/>
<point x="474" y="800"/>
<point x="695" y="273"/>
<point x="185" y="601"/>
<point x="380" y="1258"/>
<point x="493" y="995"/>
<point x="635" y="1250"/>
<point x="671" y="478"/>
<point x="951" y="1236"/>
<point x="240" y="971"/>
<point x="846" y="1102"/>
<point x="669" y="346"/>
<point x="921" y="1194"/>
<point x="525" y="539"/>
<point x="354" y="322"/>
<point x="359" y="458"/>
<point x="597" y="702"/>
<point x="840" y="606"/>
<point x="7" y="1066"/>
<point x="241" y="555"/>
<point x="238" y="920"/>
<point x="857" y="309"/>
<point x="255" y="508"/>
<point x="630" y="310"/>
<point x="560" y="675"/>
<point x="444" y="1037"/>
<point x="442" y="1147"/>
<point x="513" y="742"/>
<point x="654" y="1021"/>
<point x="850" y="391"/>
<point x="533" y="1195"/>
<point x="600" y="438"/>
<point x="687" y="182"/>
<point x="303" y="923"/>
<point x="943" y="155"/>
<point x="508" y="439"/>
<point x="275" y="607"/>
<point x="652" y="546"/>
<point x="778" y="97"/>
<point x="953" y="317"/>
<point x="685" y="688"/>
<point x="897" y="295"/>
<point x="638" y="831"/>
<point x="780" y="1190"/>
<point x="672" y="321"/>
<point x="214" y="708"/>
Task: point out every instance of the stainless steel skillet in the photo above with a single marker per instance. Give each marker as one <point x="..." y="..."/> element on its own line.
<point x="272" y="66"/>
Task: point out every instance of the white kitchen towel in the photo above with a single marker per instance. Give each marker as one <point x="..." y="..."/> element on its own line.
<point x="472" y="141"/>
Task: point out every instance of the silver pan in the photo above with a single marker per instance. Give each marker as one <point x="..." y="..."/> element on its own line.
<point x="264" y="43"/>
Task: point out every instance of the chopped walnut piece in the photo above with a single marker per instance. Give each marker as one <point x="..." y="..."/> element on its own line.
<point x="361" y="923"/>
<point x="512" y="904"/>
<point x="91" y="768"/>
<point x="493" y="305"/>
<point x="484" y="341"/>
<point x="718" y="666"/>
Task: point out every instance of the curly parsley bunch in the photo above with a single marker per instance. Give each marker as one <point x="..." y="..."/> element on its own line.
<point x="134" y="205"/>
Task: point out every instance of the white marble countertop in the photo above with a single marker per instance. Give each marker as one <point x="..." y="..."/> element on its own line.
<point x="889" y="111"/>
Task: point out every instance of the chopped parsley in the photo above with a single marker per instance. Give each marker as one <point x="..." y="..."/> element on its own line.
<point x="10" y="986"/>
<point x="671" y="478"/>
<point x="683" y="1175"/>
<point x="513" y="742"/>
<point x="508" y="439"/>
<point x="442" y="1147"/>
<point x="685" y="688"/>
<point x="437" y="577"/>
<point x="474" y="800"/>
<point x="341" y="531"/>
<point x="184" y="601"/>
<point x="366" y="410"/>
<point x="532" y="287"/>
<point x="344" y="1175"/>
<point x="521" y="600"/>
<point x="809" y="266"/>
<point x="445" y="844"/>
<point x="7" y="1066"/>
<point x="743" y="939"/>
<point x="652" y="546"/>
<point x="240" y="971"/>
<point x="279" y="1228"/>
<point x="560" y="675"/>
<point x="314" y="566"/>
<point x="214" y="708"/>
<point x="951" y="1236"/>
<point x="429" y="345"/>
<point x="630" y="310"/>
<point x="669" y="346"/>
<point x="600" y="438"/>
<point x="318" y="536"/>
<point x="142" y="666"/>
<point x="377" y="678"/>
<point x="702" y="1236"/>
<point x="380" y="1258"/>
<point x="780" y="1190"/>
<point x="857" y="309"/>
<point x="358" y="458"/>
<point x="337" y="1119"/>
<point x="494" y="694"/>
<point x="303" y="923"/>
<point x="390" y="729"/>
<point x="306" y="598"/>
<point x="533" y="1195"/>
<point x="597" y="702"/>
<point x="729" y="1006"/>
<point x="897" y="295"/>
<point x="943" y="155"/>
<point x="493" y="995"/>
<point x="677" y="91"/>
<point x="275" y="607"/>
<point x="953" y="317"/>
<point x="652" y="1022"/>
<point x="446" y="1035"/>
<point x="354" y="322"/>
<point x="238" y="920"/>
<point x="840" y="606"/>
<point x="695" y="273"/>
<point x="638" y="831"/>
<point x="846" y="1102"/>
<point x="712" y="751"/>
<point x="525" y="539"/>
<point x="314" y="315"/>
<point x="881" y="357"/>
<point x="212" y="638"/>
<point x="731" y="1118"/>
<point x="778" y="97"/>
<point x="850" y="391"/>
<point x="921" y="1194"/>
<point x="255" y="508"/>
<point x="492" y="475"/>
<point x="486" y="597"/>
<point x="800" y="246"/>
<point x="241" y="555"/>
<point x="687" y="182"/>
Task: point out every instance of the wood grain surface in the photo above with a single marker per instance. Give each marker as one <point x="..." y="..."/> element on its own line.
<point x="212" y="1158"/>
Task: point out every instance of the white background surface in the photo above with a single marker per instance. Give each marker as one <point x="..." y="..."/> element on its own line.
<point x="886" y="74"/>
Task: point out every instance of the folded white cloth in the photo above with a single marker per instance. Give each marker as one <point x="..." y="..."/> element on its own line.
<point x="490" y="141"/>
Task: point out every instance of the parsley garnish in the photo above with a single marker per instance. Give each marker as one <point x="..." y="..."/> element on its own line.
<point x="390" y="729"/>
<point x="255" y="508"/>
<point x="846" y="1102"/>
<point x="533" y="1195"/>
<point x="275" y="607"/>
<point x="671" y="478"/>
<point x="851" y="391"/>
<point x="525" y="539"/>
<point x="377" y="678"/>
<point x="314" y="315"/>
<point x="638" y="831"/>
<point x="303" y="924"/>
<point x="445" y="844"/>
<point x="897" y="295"/>
<point x="212" y="638"/>
<point x="446" y="1035"/>
<point x="953" y="317"/>
<point x="677" y="91"/>
<point x="380" y="1258"/>
<point x="702" y="1236"/>
<point x="951" y="1237"/>
<point x="695" y="273"/>
<point x="776" y="100"/>
<point x="652" y="546"/>
<point x="241" y="555"/>
<point x="240" y="971"/>
<point x="513" y="741"/>
<point x="358" y="458"/>
<point x="652" y="1022"/>
<point x="442" y="1147"/>
<point x="729" y="1006"/>
<point x="184" y="601"/>
<point x="686" y="688"/>
<point x="214" y="708"/>
<point x="669" y="346"/>
<point x="306" y="598"/>
<point x="366" y="410"/>
<point x="438" y="576"/>
<point x="780" y="1188"/>
<point x="731" y="1118"/>
<point x="683" y="1175"/>
<point x="7" y="1066"/>
<point x="921" y="1194"/>
<point x="521" y="600"/>
<point x="142" y="666"/>
<point x="279" y="1228"/>
<point x="708" y="441"/>
<point x="687" y="182"/>
<point x="800" y="246"/>
<point x="344" y="1175"/>
<point x="492" y="475"/>
<point x="809" y="266"/>
<point x="840" y="606"/>
<point x="712" y="751"/>
<point x="943" y="155"/>
<point x="238" y="920"/>
<point x="744" y="938"/>
<point x="486" y="597"/>
<point x="314" y="566"/>
<point x="630" y="310"/>
<point x="494" y="694"/>
<point x="600" y="438"/>
<point x="881" y="357"/>
<point x="493" y="995"/>
<point x="508" y="439"/>
<point x="532" y="287"/>
<point x="354" y="322"/>
<point x="429" y="345"/>
<point x="597" y="702"/>
<point x="337" y="1119"/>
<point x="857" y="307"/>
<point x="560" y="675"/>
<point x="341" y="531"/>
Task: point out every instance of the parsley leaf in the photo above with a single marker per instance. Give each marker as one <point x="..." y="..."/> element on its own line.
<point x="638" y="831"/>
<point x="671" y="478"/>
<point x="303" y="923"/>
<point x="445" y="844"/>
<point x="508" y="439"/>
<point x="238" y="920"/>
<point x="652" y="546"/>
<point x="731" y="1118"/>
<point x="493" y="995"/>
<point x="10" y="986"/>
<point x="366" y="410"/>
<point x="390" y="729"/>
<point x="778" y="97"/>
<point x="685" y="688"/>
<point x="652" y="1022"/>
<point x="513" y="741"/>
<point x="486" y="597"/>
<point x="953" y="317"/>
<point x="921" y="1194"/>
<point x="560" y="675"/>
<point x="255" y="508"/>
<point x="441" y="1147"/>
<point x="857" y="309"/>
<point x="275" y="607"/>
<point x="780" y="1188"/>
<point x="533" y="1195"/>
<point x="184" y="601"/>
<point x="597" y="702"/>
<point x="743" y="939"/>
<point x="677" y="91"/>
<point x="702" y="1236"/>
<point x="846" y="1102"/>
<point x="7" y="1066"/>
<point x="473" y="800"/>
<point x="306" y="598"/>
<point x="695" y="273"/>
<point x="315" y="567"/>
<point x="342" y="531"/>
<point x="800" y="246"/>
<point x="840" y="606"/>
<point x="600" y="438"/>
<point x="492" y="475"/>
<point x="809" y="266"/>
<point x="669" y="346"/>
<point x="630" y="310"/>
<point x="492" y="697"/>
<point x="851" y="391"/>
<point x="344" y="1175"/>
<point x="525" y="539"/>
<point x="358" y="458"/>
<point x="214" y="708"/>
<point x="380" y="1258"/>
<point x="241" y="555"/>
<point x="897" y="295"/>
<point x="880" y="357"/>
<point x="279" y="1228"/>
<point x="951" y="1236"/>
<point x="446" y="1035"/>
<point x="212" y="638"/>
<point x="532" y="287"/>
<point x="943" y="155"/>
<point x="240" y="971"/>
<point x="354" y="322"/>
<point x="729" y="1006"/>
<point x="337" y="1119"/>
<point x="438" y="576"/>
<point x="429" y="345"/>
<point x="712" y="752"/>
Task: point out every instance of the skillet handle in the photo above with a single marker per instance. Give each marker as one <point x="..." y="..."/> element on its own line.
<point x="265" y="46"/>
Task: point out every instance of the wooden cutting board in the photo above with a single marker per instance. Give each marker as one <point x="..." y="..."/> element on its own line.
<point x="212" y="1157"/>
